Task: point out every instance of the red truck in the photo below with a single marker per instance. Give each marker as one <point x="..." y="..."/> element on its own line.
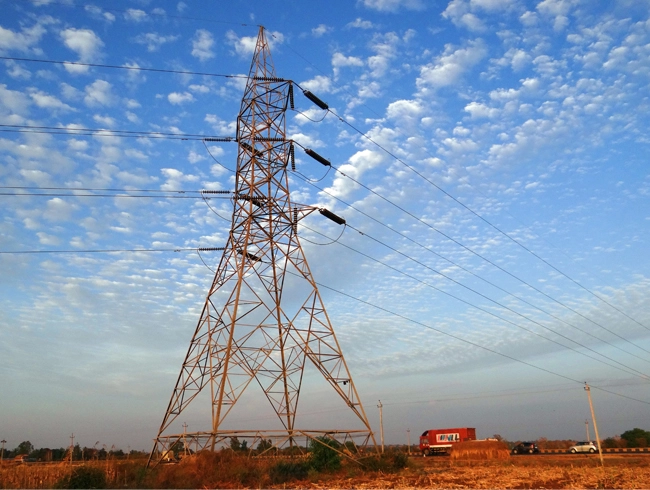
<point x="440" y="441"/>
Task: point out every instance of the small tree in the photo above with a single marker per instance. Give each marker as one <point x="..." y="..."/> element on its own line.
<point x="24" y="447"/>
<point x="236" y="445"/>
<point x="83" y="477"/>
<point x="264" y="445"/>
<point x="325" y="454"/>
<point x="636" y="437"/>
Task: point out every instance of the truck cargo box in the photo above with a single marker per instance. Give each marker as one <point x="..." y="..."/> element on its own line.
<point x="440" y="441"/>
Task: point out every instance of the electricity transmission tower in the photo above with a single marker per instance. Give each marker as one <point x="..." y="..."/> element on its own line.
<point x="263" y="319"/>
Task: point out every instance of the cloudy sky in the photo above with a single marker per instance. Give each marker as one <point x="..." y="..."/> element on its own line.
<point x="490" y="158"/>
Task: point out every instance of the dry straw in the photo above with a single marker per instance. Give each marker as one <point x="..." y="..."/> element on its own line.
<point x="480" y="450"/>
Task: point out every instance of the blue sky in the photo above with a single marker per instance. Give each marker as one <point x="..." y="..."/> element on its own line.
<point x="491" y="162"/>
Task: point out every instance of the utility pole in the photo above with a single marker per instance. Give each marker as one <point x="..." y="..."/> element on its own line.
<point x="2" y="455"/>
<point x="381" y="426"/>
<point x="184" y="439"/>
<point x="587" y="428"/>
<point x="408" y="438"/>
<point x="593" y="416"/>
<point x="71" y="447"/>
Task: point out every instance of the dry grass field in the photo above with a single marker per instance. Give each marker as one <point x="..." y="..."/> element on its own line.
<point x="517" y="472"/>
<point x="223" y="471"/>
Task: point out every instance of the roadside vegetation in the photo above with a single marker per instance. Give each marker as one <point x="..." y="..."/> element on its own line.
<point x="328" y="464"/>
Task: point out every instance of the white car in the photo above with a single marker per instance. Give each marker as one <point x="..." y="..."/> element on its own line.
<point x="583" y="447"/>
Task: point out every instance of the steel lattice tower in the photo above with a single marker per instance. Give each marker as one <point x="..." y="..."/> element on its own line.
<point x="263" y="318"/>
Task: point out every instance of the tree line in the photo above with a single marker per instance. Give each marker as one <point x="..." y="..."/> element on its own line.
<point x="27" y="449"/>
<point x="632" y="438"/>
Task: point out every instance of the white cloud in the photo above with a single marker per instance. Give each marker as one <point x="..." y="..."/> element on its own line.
<point x="529" y="19"/>
<point x="37" y="176"/>
<point x="106" y="121"/>
<point x="356" y="166"/>
<point x="84" y="42"/>
<point x="132" y="117"/>
<point x="339" y="60"/>
<point x="58" y="209"/>
<point x="404" y="109"/>
<point x="306" y="140"/>
<point x="69" y="92"/>
<point x="459" y="12"/>
<point x="45" y="239"/>
<point x="202" y="44"/>
<point x="520" y="59"/>
<point x="20" y="41"/>
<point x="177" y="98"/>
<point x="195" y="157"/>
<point x="77" y="145"/>
<point x="175" y="178"/>
<point x="132" y="104"/>
<point x="46" y="101"/>
<point x="359" y="23"/>
<point x="392" y="5"/>
<point x="201" y="89"/>
<point x="99" y="93"/>
<point x="558" y="10"/>
<point x="14" y="70"/>
<point x="478" y="110"/>
<point x="135" y="15"/>
<point x="97" y="12"/>
<point x="137" y="154"/>
<point x="321" y="30"/>
<point x="245" y="45"/>
<point x="153" y="40"/>
<point x="492" y="5"/>
<point x="319" y="83"/>
<point x="12" y="100"/>
<point x="448" y="68"/>
<point x="220" y="126"/>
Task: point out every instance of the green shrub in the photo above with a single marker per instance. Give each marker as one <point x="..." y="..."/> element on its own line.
<point x="83" y="477"/>
<point x="399" y="461"/>
<point x="386" y="463"/>
<point x="285" y="471"/>
<point x="325" y="454"/>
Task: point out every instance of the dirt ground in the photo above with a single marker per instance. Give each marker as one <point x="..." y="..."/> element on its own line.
<point x="513" y="472"/>
<point x="541" y="472"/>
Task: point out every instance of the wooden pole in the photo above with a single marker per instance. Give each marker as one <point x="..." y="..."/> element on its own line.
<point x="381" y="426"/>
<point x="593" y="416"/>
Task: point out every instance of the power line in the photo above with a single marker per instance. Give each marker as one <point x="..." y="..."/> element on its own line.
<point x="476" y="254"/>
<point x="507" y="308"/>
<point x="478" y="276"/>
<point x="122" y="67"/>
<point x="474" y="344"/>
<point x="485" y="220"/>
<point x="36" y="252"/>
<point x="626" y="368"/>
<point x="155" y="193"/>
<point x="120" y="196"/>
<point x="101" y="189"/>
<point x="326" y="108"/>
<point x="117" y="133"/>
<point x="486" y="259"/>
